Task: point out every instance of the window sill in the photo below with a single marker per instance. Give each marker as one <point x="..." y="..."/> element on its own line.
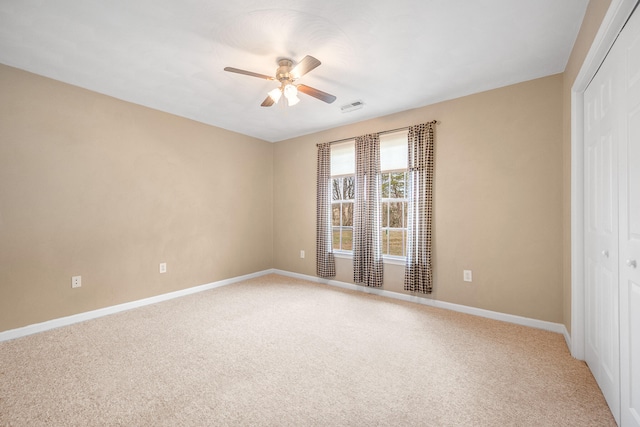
<point x="387" y="259"/>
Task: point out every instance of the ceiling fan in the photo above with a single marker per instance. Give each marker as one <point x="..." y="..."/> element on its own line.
<point x="287" y="74"/>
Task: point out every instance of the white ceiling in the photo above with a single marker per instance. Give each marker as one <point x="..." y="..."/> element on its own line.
<point x="391" y="54"/>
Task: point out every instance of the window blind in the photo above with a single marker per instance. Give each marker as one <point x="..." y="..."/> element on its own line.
<point x="393" y="151"/>
<point x="343" y="158"/>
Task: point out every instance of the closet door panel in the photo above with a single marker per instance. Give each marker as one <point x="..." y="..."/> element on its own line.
<point x="628" y="44"/>
<point x="630" y="273"/>
<point x="601" y="234"/>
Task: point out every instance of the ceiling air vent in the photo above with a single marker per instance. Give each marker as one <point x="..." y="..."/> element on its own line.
<point x="355" y="105"/>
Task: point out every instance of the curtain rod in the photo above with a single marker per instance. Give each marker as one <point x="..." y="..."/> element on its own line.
<point x="379" y="133"/>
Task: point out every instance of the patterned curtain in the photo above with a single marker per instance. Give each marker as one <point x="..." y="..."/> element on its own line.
<point x="418" y="275"/>
<point x="325" y="262"/>
<point x="367" y="249"/>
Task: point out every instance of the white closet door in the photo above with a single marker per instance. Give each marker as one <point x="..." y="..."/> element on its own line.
<point x="627" y="48"/>
<point x="601" y="234"/>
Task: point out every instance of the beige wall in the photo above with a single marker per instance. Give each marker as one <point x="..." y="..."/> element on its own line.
<point x="97" y="187"/>
<point x="590" y="25"/>
<point x="498" y="199"/>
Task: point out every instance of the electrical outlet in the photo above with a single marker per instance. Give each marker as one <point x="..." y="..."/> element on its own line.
<point x="76" y="281"/>
<point x="163" y="267"/>
<point x="301" y="254"/>
<point x="466" y="276"/>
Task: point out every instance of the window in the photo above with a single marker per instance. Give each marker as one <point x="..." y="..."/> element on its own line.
<point x="343" y="158"/>
<point x="393" y="165"/>
<point x="394" y="213"/>
<point x="342" y="196"/>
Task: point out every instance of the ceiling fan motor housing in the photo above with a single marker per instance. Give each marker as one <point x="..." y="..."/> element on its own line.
<point x="283" y="73"/>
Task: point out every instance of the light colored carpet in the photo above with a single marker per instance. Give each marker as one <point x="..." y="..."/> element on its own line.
<point x="276" y="351"/>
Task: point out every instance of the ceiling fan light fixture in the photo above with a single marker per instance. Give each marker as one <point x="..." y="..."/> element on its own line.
<point x="292" y="100"/>
<point x="290" y="90"/>
<point x="275" y="94"/>
<point x="291" y="93"/>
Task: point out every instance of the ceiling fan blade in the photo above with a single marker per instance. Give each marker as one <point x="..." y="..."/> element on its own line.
<point x="322" y="96"/>
<point x="248" y="73"/>
<point x="307" y="64"/>
<point x="268" y="102"/>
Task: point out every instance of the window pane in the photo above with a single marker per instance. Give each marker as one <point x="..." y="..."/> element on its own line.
<point x="396" y="246"/>
<point x="347" y="214"/>
<point x="385" y="185"/>
<point x="349" y="188"/>
<point x="335" y="214"/>
<point x="405" y="210"/>
<point x="336" y="238"/>
<point x="396" y="185"/>
<point x="395" y="215"/>
<point x="347" y="239"/>
<point x="335" y="188"/>
<point x="385" y="242"/>
<point x="385" y="214"/>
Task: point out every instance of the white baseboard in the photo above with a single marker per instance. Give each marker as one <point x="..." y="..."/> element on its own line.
<point x="510" y="318"/>
<point x="567" y="337"/>
<point x="81" y="317"/>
